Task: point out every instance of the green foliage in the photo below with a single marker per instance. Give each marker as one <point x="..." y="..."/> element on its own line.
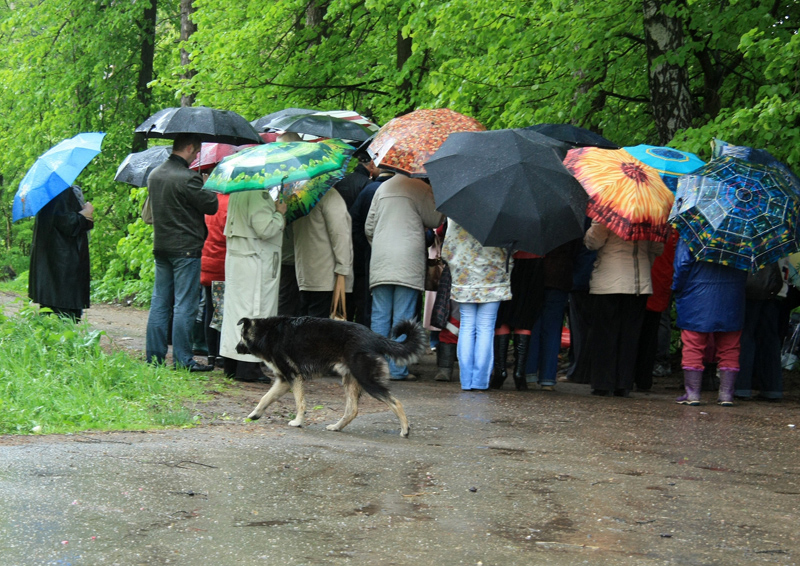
<point x="56" y="377"/>
<point x="72" y="65"/>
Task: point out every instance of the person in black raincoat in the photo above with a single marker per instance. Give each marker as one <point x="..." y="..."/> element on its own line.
<point x="59" y="270"/>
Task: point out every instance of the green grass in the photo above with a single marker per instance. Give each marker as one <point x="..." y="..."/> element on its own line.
<point x="55" y="377"/>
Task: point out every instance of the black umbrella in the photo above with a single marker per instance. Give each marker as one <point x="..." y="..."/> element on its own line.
<point x="573" y="135"/>
<point x="322" y="125"/>
<point x="212" y="125"/>
<point x="136" y="168"/>
<point x="508" y="188"/>
<point x="263" y="123"/>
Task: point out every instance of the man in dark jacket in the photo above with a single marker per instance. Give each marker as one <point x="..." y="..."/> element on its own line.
<point x="351" y="185"/>
<point x="179" y="231"/>
<point x="59" y="271"/>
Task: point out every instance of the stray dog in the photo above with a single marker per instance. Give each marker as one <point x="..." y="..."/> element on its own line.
<point x="298" y="348"/>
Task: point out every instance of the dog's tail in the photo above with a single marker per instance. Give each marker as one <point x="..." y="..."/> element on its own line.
<point x="410" y="350"/>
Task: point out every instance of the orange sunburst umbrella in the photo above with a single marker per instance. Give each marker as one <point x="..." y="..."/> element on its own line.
<point x="405" y="143"/>
<point x="624" y="194"/>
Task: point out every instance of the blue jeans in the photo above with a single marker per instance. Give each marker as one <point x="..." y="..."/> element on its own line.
<point x="176" y="294"/>
<point x="546" y="337"/>
<point x="390" y="305"/>
<point x="476" y="344"/>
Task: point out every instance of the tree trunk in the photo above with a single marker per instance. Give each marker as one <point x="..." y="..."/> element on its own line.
<point x="187" y="29"/>
<point x="403" y="46"/>
<point x="146" y="57"/>
<point x="671" y="100"/>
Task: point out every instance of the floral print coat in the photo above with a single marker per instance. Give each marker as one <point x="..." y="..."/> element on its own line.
<point x="479" y="274"/>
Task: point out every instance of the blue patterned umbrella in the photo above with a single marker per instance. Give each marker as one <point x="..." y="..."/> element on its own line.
<point x="54" y="171"/>
<point x="737" y="213"/>
<point x="760" y="156"/>
<point x="670" y="163"/>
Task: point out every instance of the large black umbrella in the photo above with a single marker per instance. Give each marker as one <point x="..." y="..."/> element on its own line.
<point x="573" y="135"/>
<point x="263" y="124"/>
<point x="136" y="167"/>
<point x="212" y="125"/>
<point x="322" y="125"/>
<point x="508" y="188"/>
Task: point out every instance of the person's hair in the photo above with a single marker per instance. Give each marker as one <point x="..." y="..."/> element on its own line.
<point x="182" y="141"/>
<point x="289" y="137"/>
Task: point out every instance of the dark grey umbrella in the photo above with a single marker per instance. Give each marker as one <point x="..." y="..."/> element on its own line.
<point x="263" y="123"/>
<point x="322" y="125"/>
<point x="508" y="188"/>
<point x="136" y="168"/>
<point x="212" y="125"/>
<point x="573" y="135"/>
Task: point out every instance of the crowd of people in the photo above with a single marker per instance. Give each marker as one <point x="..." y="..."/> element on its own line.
<point x="372" y="235"/>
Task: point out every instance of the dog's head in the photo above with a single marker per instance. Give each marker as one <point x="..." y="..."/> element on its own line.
<point x="246" y="337"/>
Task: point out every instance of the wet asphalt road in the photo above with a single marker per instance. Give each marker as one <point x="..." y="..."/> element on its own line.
<point x="500" y="478"/>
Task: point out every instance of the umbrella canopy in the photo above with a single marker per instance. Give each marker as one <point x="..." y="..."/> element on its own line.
<point x="737" y="213"/>
<point x="353" y="117"/>
<point x="136" y="167"/>
<point x="405" y="143"/>
<point x="263" y="124"/>
<point x="322" y="125"/>
<point x="759" y="156"/>
<point x="213" y="153"/>
<point x="280" y="163"/>
<point x="624" y="194"/>
<point x="302" y="196"/>
<point x="212" y="125"/>
<point x="670" y="163"/>
<point x="508" y="188"/>
<point x="573" y="135"/>
<point x="54" y="171"/>
<point x="298" y="172"/>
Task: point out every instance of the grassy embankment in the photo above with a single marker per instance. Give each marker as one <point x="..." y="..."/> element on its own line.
<point x="56" y="377"/>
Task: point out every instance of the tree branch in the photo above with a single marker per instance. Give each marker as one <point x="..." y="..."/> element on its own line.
<point x="639" y="99"/>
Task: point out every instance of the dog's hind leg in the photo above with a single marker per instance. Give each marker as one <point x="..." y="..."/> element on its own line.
<point x="352" y="391"/>
<point x="279" y="388"/>
<point x="299" y="401"/>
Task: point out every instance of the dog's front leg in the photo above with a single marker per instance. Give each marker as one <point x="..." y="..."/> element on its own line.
<point x="279" y="389"/>
<point x="299" y="401"/>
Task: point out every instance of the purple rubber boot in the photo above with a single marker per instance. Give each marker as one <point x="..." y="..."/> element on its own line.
<point x="727" y="383"/>
<point x="692" y="381"/>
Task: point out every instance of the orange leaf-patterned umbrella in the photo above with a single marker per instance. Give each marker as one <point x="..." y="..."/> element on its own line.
<point x="405" y="143"/>
<point x="624" y="194"/>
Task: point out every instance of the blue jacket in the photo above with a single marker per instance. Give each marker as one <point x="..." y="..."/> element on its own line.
<point x="709" y="297"/>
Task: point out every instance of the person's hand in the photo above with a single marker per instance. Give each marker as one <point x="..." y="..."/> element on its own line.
<point x="87" y="212"/>
<point x="280" y="206"/>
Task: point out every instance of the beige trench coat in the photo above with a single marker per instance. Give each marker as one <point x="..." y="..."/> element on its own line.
<point x="254" y="234"/>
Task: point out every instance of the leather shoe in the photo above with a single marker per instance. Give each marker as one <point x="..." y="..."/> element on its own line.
<point x="201" y="367"/>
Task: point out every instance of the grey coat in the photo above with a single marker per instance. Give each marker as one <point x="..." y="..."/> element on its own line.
<point x="401" y="210"/>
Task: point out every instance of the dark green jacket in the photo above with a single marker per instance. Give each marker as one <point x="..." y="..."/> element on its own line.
<point x="179" y="209"/>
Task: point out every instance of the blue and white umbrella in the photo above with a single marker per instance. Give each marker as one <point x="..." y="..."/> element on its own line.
<point x="53" y="172"/>
<point x="670" y="163"/>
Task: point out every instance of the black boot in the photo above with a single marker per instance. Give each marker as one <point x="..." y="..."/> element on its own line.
<point x="445" y="361"/>
<point x="522" y="343"/>
<point x="499" y="374"/>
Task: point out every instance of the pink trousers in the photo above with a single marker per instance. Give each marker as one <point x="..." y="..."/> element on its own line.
<point x="726" y="345"/>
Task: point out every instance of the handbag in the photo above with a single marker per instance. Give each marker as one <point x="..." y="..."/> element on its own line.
<point x="433" y="269"/>
<point x="441" y="306"/>
<point x="338" y="306"/>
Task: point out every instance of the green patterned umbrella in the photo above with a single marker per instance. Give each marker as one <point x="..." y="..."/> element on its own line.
<point x="299" y="173"/>
<point x="279" y="163"/>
